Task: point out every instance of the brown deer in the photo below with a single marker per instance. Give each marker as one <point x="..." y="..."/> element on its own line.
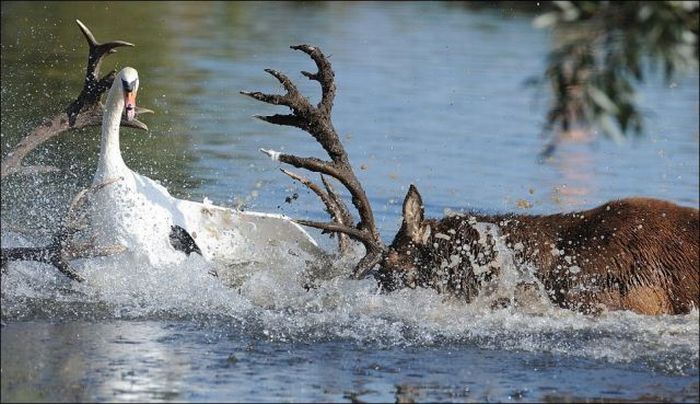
<point x="633" y="254"/>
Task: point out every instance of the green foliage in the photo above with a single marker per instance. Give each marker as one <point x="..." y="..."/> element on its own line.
<point x="603" y="50"/>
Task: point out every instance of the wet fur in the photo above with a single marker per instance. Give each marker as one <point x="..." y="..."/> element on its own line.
<point x="634" y="254"/>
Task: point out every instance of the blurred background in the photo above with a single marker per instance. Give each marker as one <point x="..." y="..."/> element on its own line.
<point x="453" y="97"/>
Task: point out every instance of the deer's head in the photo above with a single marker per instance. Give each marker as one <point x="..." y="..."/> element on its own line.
<point x="406" y="256"/>
<point x="454" y="254"/>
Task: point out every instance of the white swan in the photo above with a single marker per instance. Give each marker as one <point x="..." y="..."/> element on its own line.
<point x="141" y="215"/>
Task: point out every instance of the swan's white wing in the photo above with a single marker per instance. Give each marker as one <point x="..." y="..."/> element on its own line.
<point x="270" y="225"/>
<point x="231" y="235"/>
<point x="153" y="191"/>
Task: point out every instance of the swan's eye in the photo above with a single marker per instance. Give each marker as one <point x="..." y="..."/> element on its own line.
<point x="129" y="86"/>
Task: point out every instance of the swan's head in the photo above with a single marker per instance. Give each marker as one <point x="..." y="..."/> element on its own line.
<point x="128" y="80"/>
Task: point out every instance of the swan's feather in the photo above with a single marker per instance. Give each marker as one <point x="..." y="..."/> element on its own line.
<point x="141" y="214"/>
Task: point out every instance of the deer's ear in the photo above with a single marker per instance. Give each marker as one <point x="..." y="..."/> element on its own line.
<point x="413" y="216"/>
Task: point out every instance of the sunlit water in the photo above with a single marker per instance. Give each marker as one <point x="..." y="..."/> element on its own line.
<point x="430" y="94"/>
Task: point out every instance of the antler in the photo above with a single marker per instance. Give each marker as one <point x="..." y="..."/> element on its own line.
<point x="316" y="120"/>
<point x="93" y="86"/>
<point x="336" y="207"/>
<point x="86" y="110"/>
<point x="62" y="248"/>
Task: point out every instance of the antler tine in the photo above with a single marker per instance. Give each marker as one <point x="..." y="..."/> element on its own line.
<point x="62" y="265"/>
<point x="93" y="86"/>
<point x="71" y="221"/>
<point x="66" y="248"/>
<point x="291" y="89"/>
<point x="344" y="213"/>
<point x="81" y="197"/>
<point x="371" y="258"/>
<point x="90" y="250"/>
<point x="373" y="254"/>
<point x="51" y="254"/>
<point x="330" y="204"/>
<point x="88" y="34"/>
<point x="284" y="119"/>
<point x="292" y="99"/>
<point x="97" y="52"/>
<point x="308" y="163"/>
<point x="324" y="76"/>
<point x="358" y="234"/>
<point x="335" y="206"/>
<point x="274" y="99"/>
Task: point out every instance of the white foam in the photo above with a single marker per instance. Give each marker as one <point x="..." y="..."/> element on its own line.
<point x="274" y="301"/>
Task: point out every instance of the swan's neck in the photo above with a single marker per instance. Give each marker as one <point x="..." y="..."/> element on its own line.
<point x="111" y="163"/>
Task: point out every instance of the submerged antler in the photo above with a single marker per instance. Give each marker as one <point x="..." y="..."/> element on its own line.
<point x="316" y="120"/>
<point x="63" y="248"/>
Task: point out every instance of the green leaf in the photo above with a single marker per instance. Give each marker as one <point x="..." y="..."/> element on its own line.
<point x="610" y="129"/>
<point x="602" y="100"/>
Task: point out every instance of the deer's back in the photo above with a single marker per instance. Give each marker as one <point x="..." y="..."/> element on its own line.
<point x="638" y="254"/>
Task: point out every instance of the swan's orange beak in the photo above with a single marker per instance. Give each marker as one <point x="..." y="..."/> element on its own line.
<point x="130" y="105"/>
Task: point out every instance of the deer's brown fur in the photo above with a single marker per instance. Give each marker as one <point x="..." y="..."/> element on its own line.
<point x="634" y="254"/>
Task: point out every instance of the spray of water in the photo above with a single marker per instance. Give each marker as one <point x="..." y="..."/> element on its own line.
<point x="292" y="300"/>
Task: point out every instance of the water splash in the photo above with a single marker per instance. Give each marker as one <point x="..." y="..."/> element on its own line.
<point x="289" y="301"/>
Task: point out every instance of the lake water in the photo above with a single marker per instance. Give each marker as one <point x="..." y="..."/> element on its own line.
<point x="428" y="93"/>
